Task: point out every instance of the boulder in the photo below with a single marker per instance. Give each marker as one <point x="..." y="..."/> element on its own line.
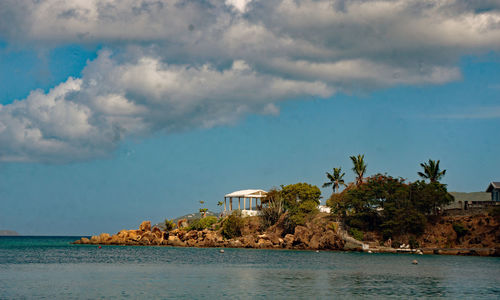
<point x="302" y="235"/>
<point x="157" y="232"/>
<point x="289" y="239"/>
<point x="329" y="240"/>
<point x="85" y="241"/>
<point x="263" y="243"/>
<point x="175" y="241"/>
<point x="235" y="244"/>
<point x="145" y="226"/>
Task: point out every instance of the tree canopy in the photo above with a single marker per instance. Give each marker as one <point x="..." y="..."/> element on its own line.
<point x="431" y="171"/>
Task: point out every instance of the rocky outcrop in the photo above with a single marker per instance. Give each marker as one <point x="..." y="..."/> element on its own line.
<point x="314" y="235"/>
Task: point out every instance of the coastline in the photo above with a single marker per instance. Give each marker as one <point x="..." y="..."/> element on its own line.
<point x="316" y="235"/>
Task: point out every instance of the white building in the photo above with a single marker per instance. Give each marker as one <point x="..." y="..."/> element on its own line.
<point x="251" y="199"/>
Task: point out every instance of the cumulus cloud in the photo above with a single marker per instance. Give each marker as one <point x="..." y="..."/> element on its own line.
<point x="175" y="65"/>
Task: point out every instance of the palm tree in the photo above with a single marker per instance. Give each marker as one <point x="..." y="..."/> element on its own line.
<point x="336" y="179"/>
<point x="431" y="171"/>
<point x="359" y="167"/>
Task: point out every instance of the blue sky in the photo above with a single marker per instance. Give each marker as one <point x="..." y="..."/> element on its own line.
<point x="151" y="123"/>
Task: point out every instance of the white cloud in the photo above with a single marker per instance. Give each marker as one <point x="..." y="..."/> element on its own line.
<point x="86" y="118"/>
<point x="181" y="64"/>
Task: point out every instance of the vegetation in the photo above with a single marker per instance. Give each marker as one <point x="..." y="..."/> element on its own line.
<point x="169" y="224"/>
<point x="495" y="213"/>
<point x="431" y="171"/>
<point x="359" y="167"/>
<point x="203" y="210"/>
<point x="203" y="223"/>
<point x="336" y="179"/>
<point x="300" y="200"/>
<point x="274" y="208"/>
<point x="389" y="205"/>
<point x="460" y="230"/>
<point x="232" y="225"/>
<point x="355" y="233"/>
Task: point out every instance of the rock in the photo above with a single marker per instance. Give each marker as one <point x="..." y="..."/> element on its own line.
<point x="221" y="250"/>
<point x="175" y="241"/>
<point x="145" y="226"/>
<point x="289" y="239"/>
<point x="302" y="235"/>
<point x="85" y="241"/>
<point x="419" y="252"/>
<point x="314" y="242"/>
<point x="263" y="244"/>
<point x="415" y="262"/>
<point x="235" y="244"/>
<point x="157" y="232"/>
<point x="331" y="241"/>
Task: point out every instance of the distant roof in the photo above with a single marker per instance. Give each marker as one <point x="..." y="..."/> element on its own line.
<point x="474" y="196"/>
<point x="493" y="185"/>
<point x="248" y="193"/>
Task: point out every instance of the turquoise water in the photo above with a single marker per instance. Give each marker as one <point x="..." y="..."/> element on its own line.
<point x="51" y="268"/>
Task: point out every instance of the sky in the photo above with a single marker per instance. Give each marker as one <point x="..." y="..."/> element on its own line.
<point x="115" y="112"/>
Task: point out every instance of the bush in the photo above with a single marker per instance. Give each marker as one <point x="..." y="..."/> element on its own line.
<point x="356" y="233"/>
<point x="169" y="224"/>
<point x="460" y="230"/>
<point x="413" y="243"/>
<point x="495" y="213"/>
<point x="203" y="223"/>
<point x="232" y="225"/>
<point x="271" y="213"/>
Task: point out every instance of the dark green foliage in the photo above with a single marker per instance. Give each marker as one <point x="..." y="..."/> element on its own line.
<point x="460" y="230"/>
<point x="169" y="225"/>
<point x="359" y="167"/>
<point x="495" y="213"/>
<point x="299" y="201"/>
<point x="232" y="225"/>
<point x="355" y="233"/>
<point x="203" y="223"/>
<point x="336" y="179"/>
<point x="389" y="205"/>
<point x="413" y="243"/>
<point x="431" y="171"/>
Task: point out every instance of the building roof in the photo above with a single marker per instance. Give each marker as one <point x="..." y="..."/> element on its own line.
<point x="474" y="196"/>
<point x="493" y="185"/>
<point x="248" y="194"/>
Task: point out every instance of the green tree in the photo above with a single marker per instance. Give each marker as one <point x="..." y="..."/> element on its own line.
<point x="336" y="179"/>
<point x="294" y="194"/>
<point x="359" y="167"/>
<point x="432" y="171"/>
<point x="203" y="210"/>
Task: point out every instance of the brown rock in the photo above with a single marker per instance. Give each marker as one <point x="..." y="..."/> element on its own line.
<point x="289" y="239"/>
<point x="85" y="241"/>
<point x="235" y="244"/>
<point x="263" y="243"/>
<point x="175" y="241"/>
<point x="302" y="235"/>
<point x="157" y="232"/>
<point x="145" y="226"/>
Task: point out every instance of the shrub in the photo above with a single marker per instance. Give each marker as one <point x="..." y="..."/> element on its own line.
<point x="232" y="225"/>
<point x="203" y="223"/>
<point x="356" y="233"/>
<point x="413" y="243"/>
<point x="495" y="213"/>
<point x="271" y="213"/>
<point x="169" y="224"/>
<point x="460" y="230"/>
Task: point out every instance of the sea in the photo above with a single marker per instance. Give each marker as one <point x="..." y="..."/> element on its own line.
<point x="53" y="268"/>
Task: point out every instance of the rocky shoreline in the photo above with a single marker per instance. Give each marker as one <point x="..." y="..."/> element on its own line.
<point x="308" y="237"/>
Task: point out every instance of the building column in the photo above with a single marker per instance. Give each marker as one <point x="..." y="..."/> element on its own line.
<point x="244" y="202"/>
<point x="231" y="203"/>
<point x="239" y="203"/>
<point x="250" y="203"/>
<point x="225" y="204"/>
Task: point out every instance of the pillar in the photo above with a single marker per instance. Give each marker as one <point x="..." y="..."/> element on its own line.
<point x="225" y="203"/>
<point x="250" y="203"/>
<point x="239" y="203"/>
<point x="244" y="203"/>
<point x="231" y="203"/>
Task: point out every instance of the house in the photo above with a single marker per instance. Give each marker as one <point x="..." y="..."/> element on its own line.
<point x="494" y="189"/>
<point x="466" y="201"/>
